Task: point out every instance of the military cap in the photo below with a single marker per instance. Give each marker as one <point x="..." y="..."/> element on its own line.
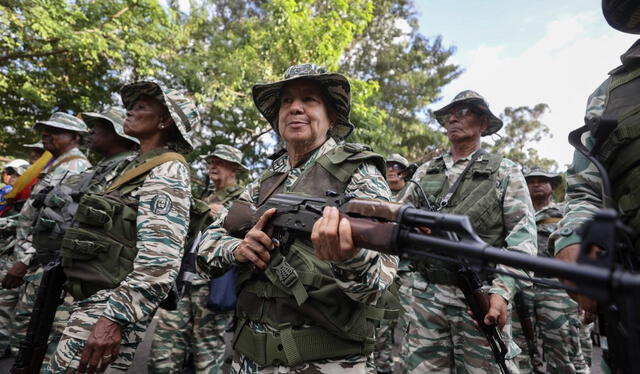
<point x="37" y="145"/>
<point x="397" y="158"/>
<point x="554" y="178"/>
<point x="113" y="115"/>
<point x="475" y="100"/>
<point x="19" y="165"/>
<point x="267" y="96"/>
<point x="227" y="153"/>
<point x="63" y="121"/>
<point x="622" y="15"/>
<point x="183" y="110"/>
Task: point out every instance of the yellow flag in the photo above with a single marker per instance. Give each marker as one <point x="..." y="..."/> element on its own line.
<point x="25" y="179"/>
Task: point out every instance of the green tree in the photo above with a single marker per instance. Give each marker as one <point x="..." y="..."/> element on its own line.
<point x="60" y="55"/>
<point x="522" y="129"/>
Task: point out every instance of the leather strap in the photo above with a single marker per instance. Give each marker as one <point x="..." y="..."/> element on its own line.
<point x="144" y="168"/>
<point x="66" y="159"/>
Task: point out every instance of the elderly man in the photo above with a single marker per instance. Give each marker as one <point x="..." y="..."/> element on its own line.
<point x="491" y="190"/>
<point x="192" y="327"/>
<point x="61" y="136"/>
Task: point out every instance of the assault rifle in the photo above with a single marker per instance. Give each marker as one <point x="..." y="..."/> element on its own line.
<point x="391" y="228"/>
<point x="49" y="297"/>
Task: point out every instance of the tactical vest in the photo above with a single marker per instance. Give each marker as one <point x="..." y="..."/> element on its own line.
<point x="545" y="226"/>
<point x="59" y="204"/>
<point x="619" y="152"/>
<point x="98" y="251"/>
<point x="476" y="197"/>
<point x="297" y="294"/>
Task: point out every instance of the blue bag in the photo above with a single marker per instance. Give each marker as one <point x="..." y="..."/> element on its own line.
<point x="222" y="292"/>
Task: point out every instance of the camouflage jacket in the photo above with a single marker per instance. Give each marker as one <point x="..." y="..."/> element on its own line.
<point x="517" y="211"/>
<point x="363" y="278"/>
<point x="67" y="164"/>
<point x="226" y="196"/>
<point x="547" y="220"/>
<point x="164" y="200"/>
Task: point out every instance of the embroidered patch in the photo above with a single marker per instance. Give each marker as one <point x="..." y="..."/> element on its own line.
<point x="161" y="204"/>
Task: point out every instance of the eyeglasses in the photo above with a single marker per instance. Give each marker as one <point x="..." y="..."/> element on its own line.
<point x="460" y="113"/>
<point x="395" y="166"/>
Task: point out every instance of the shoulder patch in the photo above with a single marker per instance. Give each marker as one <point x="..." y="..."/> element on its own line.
<point x="161" y="204"/>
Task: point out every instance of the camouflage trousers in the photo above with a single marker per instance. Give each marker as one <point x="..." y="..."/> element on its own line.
<point x="444" y="338"/>
<point x="8" y="301"/>
<point x="586" y="344"/>
<point x="26" y="302"/>
<point x="558" y="326"/>
<point x="349" y="365"/>
<point x="530" y="359"/>
<point x="84" y="316"/>
<point x="191" y="328"/>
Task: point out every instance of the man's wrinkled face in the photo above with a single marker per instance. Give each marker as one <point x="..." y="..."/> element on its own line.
<point x="303" y="116"/>
<point x="221" y="170"/>
<point x="56" y="140"/>
<point x="464" y="123"/>
<point x="539" y="187"/>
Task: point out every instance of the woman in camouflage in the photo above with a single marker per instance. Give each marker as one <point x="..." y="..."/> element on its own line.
<point x="107" y="324"/>
<point x="284" y="322"/>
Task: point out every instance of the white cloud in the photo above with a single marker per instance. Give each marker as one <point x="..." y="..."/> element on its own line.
<point x="561" y="69"/>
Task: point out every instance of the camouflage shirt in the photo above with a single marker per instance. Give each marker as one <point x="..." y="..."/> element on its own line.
<point x="547" y="220"/>
<point x="226" y="196"/>
<point x="517" y="212"/>
<point x="69" y="163"/>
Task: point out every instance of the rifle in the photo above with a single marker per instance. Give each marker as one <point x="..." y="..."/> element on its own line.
<point x="526" y="323"/>
<point x="391" y="228"/>
<point x="49" y="297"/>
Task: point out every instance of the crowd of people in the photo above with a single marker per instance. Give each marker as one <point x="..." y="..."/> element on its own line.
<point x="125" y="230"/>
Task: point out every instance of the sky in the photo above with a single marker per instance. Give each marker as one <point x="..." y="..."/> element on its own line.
<point x="522" y="52"/>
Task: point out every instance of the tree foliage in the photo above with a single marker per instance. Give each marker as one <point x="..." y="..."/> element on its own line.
<point x="522" y="129"/>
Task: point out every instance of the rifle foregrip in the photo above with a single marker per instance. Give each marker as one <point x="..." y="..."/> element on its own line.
<point x="373" y="235"/>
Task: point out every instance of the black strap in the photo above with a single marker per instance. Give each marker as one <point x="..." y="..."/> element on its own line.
<point x="452" y="190"/>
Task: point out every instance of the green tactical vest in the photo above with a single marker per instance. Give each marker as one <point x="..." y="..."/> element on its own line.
<point x="98" y="252"/>
<point x="476" y="197"/>
<point x="619" y="152"/>
<point x="297" y="294"/>
<point x="59" y="205"/>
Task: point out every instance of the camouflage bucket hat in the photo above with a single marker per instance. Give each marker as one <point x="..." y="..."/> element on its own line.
<point x="64" y="121"/>
<point x="395" y="157"/>
<point x="227" y="153"/>
<point x="554" y="178"/>
<point x="115" y="116"/>
<point x="19" y="165"/>
<point x="37" y="145"/>
<point x="474" y="99"/>
<point x="622" y="15"/>
<point x="267" y="96"/>
<point x="183" y="110"/>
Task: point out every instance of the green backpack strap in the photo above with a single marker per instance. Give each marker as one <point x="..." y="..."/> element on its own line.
<point x="343" y="161"/>
<point x="145" y="168"/>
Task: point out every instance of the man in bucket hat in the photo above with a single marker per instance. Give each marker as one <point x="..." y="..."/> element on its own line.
<point x="491" y="190"/>
<point x="61" y="135"/>
<point x="309" y="110"/>
<point x="193" y="329"/>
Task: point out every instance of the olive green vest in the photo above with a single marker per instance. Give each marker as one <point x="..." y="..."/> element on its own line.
<point x="619" y="152"/>
<point x="297" y="294"/>
<point x="98" y="251"/>
<point x="476" y="197"/>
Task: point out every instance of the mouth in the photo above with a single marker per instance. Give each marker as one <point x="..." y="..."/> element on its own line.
<point x="297" y="124"/>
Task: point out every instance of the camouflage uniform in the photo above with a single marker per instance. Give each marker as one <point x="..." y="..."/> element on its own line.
<point x="8" y="298"/>
<point x="67" y="164"/>
<point x="444" y="338"/>
<point x="192" y="328"/>
<point x="216" y="251"/>
<point x="164" y="200"/>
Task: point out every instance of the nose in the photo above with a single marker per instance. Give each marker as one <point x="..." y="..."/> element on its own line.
<point x="296" y="106"/>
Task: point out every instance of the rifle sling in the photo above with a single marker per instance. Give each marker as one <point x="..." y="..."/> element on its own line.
<point x="144" y="168"/>
<point x="452" y="190"/>
<point x="66" y="159"/>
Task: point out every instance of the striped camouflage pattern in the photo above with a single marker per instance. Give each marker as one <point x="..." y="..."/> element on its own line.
<point x="584" y="193"/>
<point x="64" y="121"/>
<point x="160" y="245"/>
<point x="8" y="298"/>
<point x="476" y="100"/>
<point x="441" y="310"/>
<point x="586" y="344"/>
<point x="115" y="116"/>
<point x="192" y="328"/>
<point x="397" y="158"/>
<point x="362" y="278"/>
<point x="182" y="109"/>
<point x="227" y="153"/>
<point x="267" y="96"/>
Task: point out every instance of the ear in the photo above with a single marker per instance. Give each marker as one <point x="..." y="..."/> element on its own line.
<point x="484" y="125"/>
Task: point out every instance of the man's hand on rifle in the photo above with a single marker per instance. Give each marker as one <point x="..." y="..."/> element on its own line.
<point x="497" y="313"/>
<point x="331" y="237"/>
<point x="102" y="347"/>
<point x="15" y="275"/>
<point x="256" y="244"/>
<point x="590" y="306"/>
